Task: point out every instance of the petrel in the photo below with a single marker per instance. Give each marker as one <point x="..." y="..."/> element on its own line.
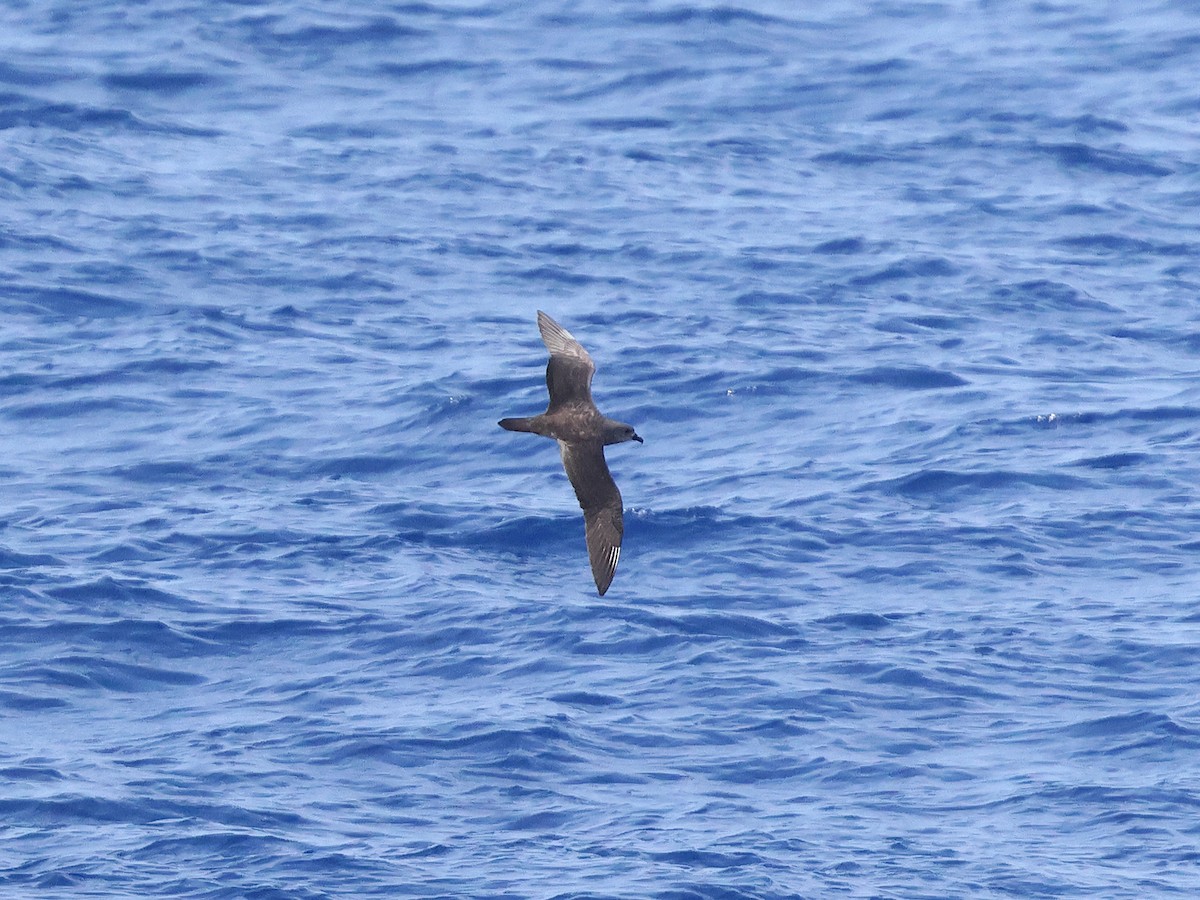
<point x="581" y="431"/>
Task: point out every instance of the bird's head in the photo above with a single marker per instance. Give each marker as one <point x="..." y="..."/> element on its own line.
<point x="619" y="433"/>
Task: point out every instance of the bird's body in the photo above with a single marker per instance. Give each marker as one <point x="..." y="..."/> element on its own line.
<point x="582" y="432"/>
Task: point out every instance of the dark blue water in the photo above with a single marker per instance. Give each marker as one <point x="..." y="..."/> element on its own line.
<point x="903" y="298"/>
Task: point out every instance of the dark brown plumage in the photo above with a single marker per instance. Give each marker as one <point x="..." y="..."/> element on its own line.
<point x="581" y="430"/>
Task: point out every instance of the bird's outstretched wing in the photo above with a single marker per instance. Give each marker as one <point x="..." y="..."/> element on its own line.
<point x="601" y="503"/>
<point x="569" y="372"/>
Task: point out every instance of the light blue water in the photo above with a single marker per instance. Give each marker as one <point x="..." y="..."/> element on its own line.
<point x="903" y="298"/>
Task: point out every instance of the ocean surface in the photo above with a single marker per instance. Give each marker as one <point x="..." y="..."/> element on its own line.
<point x="904" y="298"/>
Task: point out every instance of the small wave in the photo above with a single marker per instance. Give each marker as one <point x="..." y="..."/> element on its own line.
<point x="1125" y="724"/>
<point x="921" y="324"/>
<point x="75" y="117"/>
<point x="586" y="699"/>
<point x="1093" y="124"/>
<point x="912" y="378"/>
<point x="842" y="247"/>
<point x="137" y="371"/>
<point x="30" y="75"/>
<point x="521" y="535"/>
<point x="243" y="632"/>
<point x="160" y="472"/>
<point x="159" y="81"/>
<point x="729" y="625"/>
<point x="79" y="407"/>
<point x="360" y="466"/>
<point x="912" y="678"/>
<point x="148" y="635"/>
<point x="210" y="845"/>
<point x="11" y="559"/>
<point x="470" y="740"/>
<point x="74" y="303"/>
<point x="857" y="621"/>
<point x="120" y="593"/>
<point x="912" y="267"/>
<point x="563" y="275"/>
<point x="945" y="481"/>
<point x="1124" y="245"/>
<point x="21" y="701"/>
<point x="1134" y="414"/>
<point x="1045" y="294"/>
<point x="628" y="123"/>
<point x="685" y="13"/>
<point x="636" y="83"/>
<point x="759" y="299"/>
<point x="1113" y="461"/>
<point x="375" y="30"/>
<point x="89" y="672"/>
<point x="1119" y="162"/>
<point x="73" y="809"/>
<point x="707" y="859"/>
<point x="32" y="773"/>
<point x="433" y="68"/>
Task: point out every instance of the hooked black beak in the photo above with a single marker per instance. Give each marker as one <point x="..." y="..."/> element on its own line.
<point x="638" y="439"/>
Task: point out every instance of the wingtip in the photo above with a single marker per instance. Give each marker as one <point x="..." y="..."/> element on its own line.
<point x="604" y="571"/>
<point x="557" y="339"/>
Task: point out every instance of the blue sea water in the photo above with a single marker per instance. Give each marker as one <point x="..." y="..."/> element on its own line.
<point x="903" y="298"/>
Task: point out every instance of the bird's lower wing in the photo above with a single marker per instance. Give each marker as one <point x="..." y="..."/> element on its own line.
<point x="601" y="503"/>
<point x="603" y="528"/>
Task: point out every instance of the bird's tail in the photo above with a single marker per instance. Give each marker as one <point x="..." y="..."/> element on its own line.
<point x="518" y="425"/>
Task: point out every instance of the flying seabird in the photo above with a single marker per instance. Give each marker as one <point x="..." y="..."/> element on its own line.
<point x="581" y="431"/>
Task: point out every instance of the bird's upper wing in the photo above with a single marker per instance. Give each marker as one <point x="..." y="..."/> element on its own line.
<point x="569" y="372"/>
<point x="601" y="503"/>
